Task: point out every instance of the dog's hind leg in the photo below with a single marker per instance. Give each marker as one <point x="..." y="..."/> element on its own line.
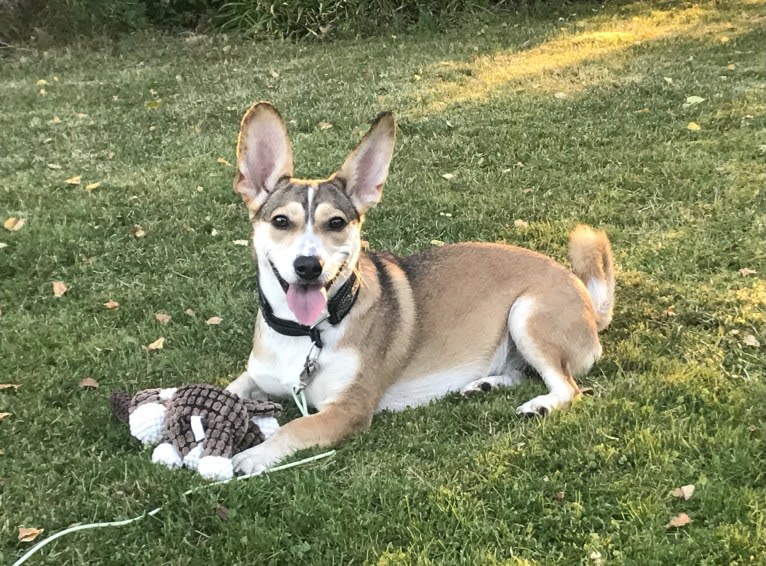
<point x="557" y="346"/>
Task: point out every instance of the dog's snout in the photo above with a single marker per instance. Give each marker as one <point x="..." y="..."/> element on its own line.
<point x="308" y="267"/>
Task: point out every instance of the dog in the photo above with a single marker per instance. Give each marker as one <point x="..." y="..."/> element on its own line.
<point x="354" y="333"/>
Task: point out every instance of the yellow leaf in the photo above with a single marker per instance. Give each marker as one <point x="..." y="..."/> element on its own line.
<point x="13" y="224"/>
<point x="43" y="92"/>
<point x="448" y="176"/>
<point x="162" y="318"/>
<point x="137" y="231"/>
<point x="59" y="288"/>
<point x="324" y="125"/>
<point x="56" y="120"/>
<point x="9" y="386"/>
<point x="4" y="415"/>
<point x="240" y="242"/>
<point x="684" y="492"/>
<point x="88" y="382"/>
<point x="76" y="180"/>
<point x="153" y="104"/>
<point x="680" y="520"/>
<point x="92" y="186"/>
<point x="111" y="305"/>
<point x="693" y="127"/>
<point x="222" y="161"/>
<point x="724" y="39"/>
<point x="158" y="344"/>
<point x="214" y="320"/>
<point x="54" y="166"/>
<point x="189" y="312"/>
<point x="274" y="74"/>
<point x="437" y="243"/>
<point x="42" y="82"/>
<point x="731" y="66"/>
<point x="519" y="223"/>
<point x="29" y="534"/>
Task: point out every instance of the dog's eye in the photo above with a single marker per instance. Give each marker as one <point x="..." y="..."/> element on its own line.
<point x="337" y="224"/>
<point x="280" y="221"/>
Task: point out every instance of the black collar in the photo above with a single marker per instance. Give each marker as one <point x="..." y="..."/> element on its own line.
<point x="338" y="307"/>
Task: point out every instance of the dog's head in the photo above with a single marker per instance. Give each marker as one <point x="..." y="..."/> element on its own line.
<point x="306" y="233"/>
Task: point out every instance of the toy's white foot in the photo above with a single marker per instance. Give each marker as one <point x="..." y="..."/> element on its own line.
<point x="215" y="468"/>
<point x="147" y="423"/>
<point x="491" y="382"/>
<point x="268" y="425"/>
<point x="167" y="455"/>
<point x="191" y="460"/>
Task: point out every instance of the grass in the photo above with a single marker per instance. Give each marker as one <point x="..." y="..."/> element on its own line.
<point x="552" y="122"/>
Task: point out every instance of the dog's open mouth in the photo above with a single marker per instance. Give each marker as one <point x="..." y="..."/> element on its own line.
<point x="306" y="300"/>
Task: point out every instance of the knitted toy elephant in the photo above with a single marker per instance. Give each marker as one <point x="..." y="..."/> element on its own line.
<point x="196" y="426"/>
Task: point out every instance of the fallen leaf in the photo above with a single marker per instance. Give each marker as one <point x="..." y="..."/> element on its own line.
<point x="158" y="344"/>
<point x="92" y="186"/>
<point x="54" y="166"/>
<point x="222" y="161"/>
<point x="724" y="39"/>
<point x="747" y="272"/>
<point x="222" y="512"/>
<point x="82" y="115"/>
<point x="9" y="386"/>
<point x="214" y="320"/>
<point x="750" y="340"/>
<point x="27" y="534"/>
<point x="3" y="245"/>
<point x="684" y="492"/>
<point x="448" y="176"/>
<point x="55" y="120"/>
<point x="680" y="520"/>
<point x="153" y="104"/>
<point x="59" y="288"/>
<point x="731" y="66"/>
<point x="4" y="415"/>
<point x="111" y="305"/>
<point x="437" y="243"/>
<point x="519" y="223"/>
<point x="560" y="95"/>
<point x="43" y="92"/>
<point x="137" y="231"/>
<point x="693" y="127"/>
<point x="213" y="232"/>
<point x="324" y="125"/>
<point x="668" y="80"/>
<point x="89" y="382"/>
<point x="189" y="312"/>
<point x="692" y="100"/>
<point x="13" y="224"/>
<point x="42" y="82"/>
<point x="240" y="242"/>
<point x="274" y="74"/>
<point x="76" y="180"/>
<point x="162" y="317"/>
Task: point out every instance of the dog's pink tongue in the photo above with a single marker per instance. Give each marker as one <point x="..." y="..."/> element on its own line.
<point x="306" y="302"/>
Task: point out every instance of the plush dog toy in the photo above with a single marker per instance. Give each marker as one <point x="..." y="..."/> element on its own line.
<point x="197" y="426"/>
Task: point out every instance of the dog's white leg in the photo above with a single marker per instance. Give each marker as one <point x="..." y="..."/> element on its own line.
<point x="330" y="426"/>
<point x="244" y="386"/>
<point x="532" y="338"/>
<point x="490" y="382"/>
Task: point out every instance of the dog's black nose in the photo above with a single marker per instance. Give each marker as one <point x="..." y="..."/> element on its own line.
<point x="308" y="267"/>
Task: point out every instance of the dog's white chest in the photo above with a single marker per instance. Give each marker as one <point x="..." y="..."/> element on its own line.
<point x="278" y="370"/>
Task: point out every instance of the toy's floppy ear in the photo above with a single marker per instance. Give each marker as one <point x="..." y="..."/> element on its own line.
<point x="264" y="154"/>
<point x="366" y="168"/>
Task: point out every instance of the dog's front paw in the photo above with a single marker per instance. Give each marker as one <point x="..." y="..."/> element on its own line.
<point x="255" y="460"/>
<point x="543" y="405"/>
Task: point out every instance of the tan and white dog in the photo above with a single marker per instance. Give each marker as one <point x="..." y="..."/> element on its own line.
<point x="362" y="332"/>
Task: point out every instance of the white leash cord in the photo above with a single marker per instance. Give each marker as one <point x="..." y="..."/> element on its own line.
<point x="156" y="510"/>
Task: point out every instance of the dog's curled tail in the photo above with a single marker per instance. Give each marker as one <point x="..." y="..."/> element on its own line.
<point x="592" y="261"/>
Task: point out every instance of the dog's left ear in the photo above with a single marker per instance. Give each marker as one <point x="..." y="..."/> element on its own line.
<point x="366" y="168"/>
<point x="264" y="154"/>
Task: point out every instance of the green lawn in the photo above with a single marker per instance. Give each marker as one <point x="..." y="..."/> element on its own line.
<point x="583" y="118"/>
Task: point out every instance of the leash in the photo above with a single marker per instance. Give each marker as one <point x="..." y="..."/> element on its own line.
<point x="28" y="554"/>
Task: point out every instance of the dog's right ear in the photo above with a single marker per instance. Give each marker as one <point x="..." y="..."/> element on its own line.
<point x="264" y="154"/>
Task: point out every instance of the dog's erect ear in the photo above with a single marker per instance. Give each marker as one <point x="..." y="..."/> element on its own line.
<point x="366" y="169"/>
<point x="264" y="154"/>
